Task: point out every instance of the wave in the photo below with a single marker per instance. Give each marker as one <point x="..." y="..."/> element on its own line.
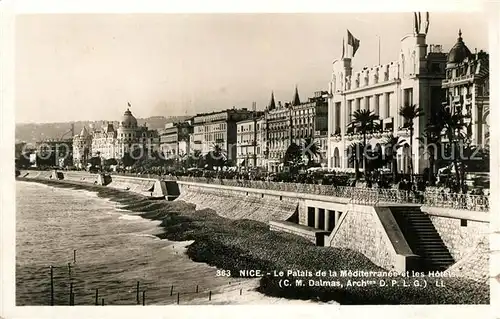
<point x="147" y="235"/>
<point x="130" y="217"/>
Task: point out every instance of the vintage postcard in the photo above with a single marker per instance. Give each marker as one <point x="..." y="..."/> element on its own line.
<point x="306" y="159"/>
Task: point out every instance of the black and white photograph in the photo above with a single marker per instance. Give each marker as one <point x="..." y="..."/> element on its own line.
<point x="305" y="159"/>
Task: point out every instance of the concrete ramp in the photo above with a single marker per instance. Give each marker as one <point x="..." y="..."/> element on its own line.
<point x="143" y="186"/>
<point x="236" y="205"/>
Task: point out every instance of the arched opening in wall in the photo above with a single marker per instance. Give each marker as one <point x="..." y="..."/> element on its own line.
<point x="350" y="155"/>
<point x="406" y="159"/>
<point x="336" y="157"/>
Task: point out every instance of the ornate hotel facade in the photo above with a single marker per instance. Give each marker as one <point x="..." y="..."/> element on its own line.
<point x="467" y="89"/>
<point x="108" y="142"/>
<point x="414" y="79"/>
<point x="294" y="122"/>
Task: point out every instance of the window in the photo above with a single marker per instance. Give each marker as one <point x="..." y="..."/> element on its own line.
<point x="408" y="96"/>
<point x="388" y="104"/>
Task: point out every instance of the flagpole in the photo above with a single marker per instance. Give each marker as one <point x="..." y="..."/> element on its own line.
<point x="379" y="50"/>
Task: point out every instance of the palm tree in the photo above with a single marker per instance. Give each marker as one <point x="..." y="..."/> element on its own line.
<point x="392" y="144"/>
<point x="453" y="125"/>
<point x="218" y="155"/>
<point x="409" y="113"/>
<point x="432" y="140"/>
<point x="354" y="156"/>
<point x="311" y="148"/>
<point x="293" y="156"/>
<point x="365" y="120"/>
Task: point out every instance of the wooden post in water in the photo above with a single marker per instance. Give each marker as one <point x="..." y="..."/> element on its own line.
<point x="102" y="302"/>
<point x="51" y="286"/>
<point x="73" y="299"/>
<point x="69" y="270"/>
<point x="74" y="256"/>
<point x="210" y="295"/>
<point x="70" y="294"/>
<point x="171" y="290"/>
<point x="240" y="291"/>
<point x="97" y="296"/>
<point x="144" y="298"/>
<point x="137" y="293"/>
<point x="178" y="298"/>
<point x="196" y="288"/>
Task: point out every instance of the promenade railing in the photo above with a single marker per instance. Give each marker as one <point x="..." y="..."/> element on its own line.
<point x="358" y="195"/>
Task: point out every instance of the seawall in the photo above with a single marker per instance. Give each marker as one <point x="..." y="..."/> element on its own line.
<point x="240" y="204"/>
<point x="322" y="219"/>
<point x="144" y="186"/>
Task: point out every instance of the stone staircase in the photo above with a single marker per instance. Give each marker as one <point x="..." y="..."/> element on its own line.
<point x="423" y="238"/>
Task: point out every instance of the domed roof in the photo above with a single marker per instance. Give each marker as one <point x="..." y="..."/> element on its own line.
<point x="128" y="120"/>
<point x="459" y="51"/>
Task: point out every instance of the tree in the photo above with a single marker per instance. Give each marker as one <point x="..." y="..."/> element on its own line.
<point x="23" y="161"/>
<point x="95" y="161"/>
<point x="216" y="157"/>
<point x="293" y="157"/>
<point x="311" y="150"/>
<point x="130" y="158"/>
<point x="354" y="156"/>
<point x="392" y="144"/>
<point x="432" y="140"/>
<point x="110" y="161"/>
<point x="453" y="125"/>
<point x="365" y="121"/>
<point x="410" y="113"/>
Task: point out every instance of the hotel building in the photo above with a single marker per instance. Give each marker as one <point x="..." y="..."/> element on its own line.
<point x="251" y="142"/>
<point x="174" y="139"/>
<point x="218" y="128"/>
<point x="467" y="89"/>
<point x="108" y="142"/>
<point x="278" y="119"/>
<point x="294" y="122"/>
<point x="414" y="79"/>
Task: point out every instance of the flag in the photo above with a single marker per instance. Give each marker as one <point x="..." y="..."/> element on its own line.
<point x="352" y="41"/>
<point x="343" y="48"/>
<point x="128" y="103"/>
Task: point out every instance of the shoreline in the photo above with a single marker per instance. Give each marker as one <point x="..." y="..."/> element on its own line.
<point x="234" y="245"/>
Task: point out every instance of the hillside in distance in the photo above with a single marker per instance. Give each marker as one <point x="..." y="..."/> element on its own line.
<point x="35" y="132"/>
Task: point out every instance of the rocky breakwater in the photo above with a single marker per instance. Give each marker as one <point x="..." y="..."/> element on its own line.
<point x="239" y="203"/>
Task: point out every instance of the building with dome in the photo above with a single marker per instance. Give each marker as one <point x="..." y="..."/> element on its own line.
<point x="467" y="89"/>
<point x="414" y="79"/>
<point x="109" y="142"/>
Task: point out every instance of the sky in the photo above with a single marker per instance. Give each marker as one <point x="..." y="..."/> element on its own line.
<point x="71" y="67"/>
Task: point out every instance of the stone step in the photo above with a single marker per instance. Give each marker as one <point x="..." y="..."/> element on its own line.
<point x="435" y="257"/>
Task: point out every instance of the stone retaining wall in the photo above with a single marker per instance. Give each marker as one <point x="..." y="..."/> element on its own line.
<point x="236" y="204"/>
<point x="460" y="235"/>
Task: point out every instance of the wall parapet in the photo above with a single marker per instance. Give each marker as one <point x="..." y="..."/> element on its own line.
<point x="358" y="195"/>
